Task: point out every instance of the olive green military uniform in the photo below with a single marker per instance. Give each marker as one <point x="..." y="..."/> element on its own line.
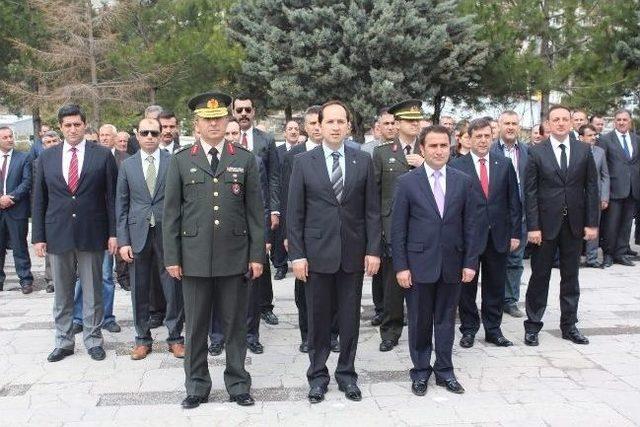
<point x="389" y="162"/>
<point x="213" y="227"/>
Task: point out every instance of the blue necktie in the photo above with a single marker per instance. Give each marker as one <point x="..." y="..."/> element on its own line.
<point x="626" y="145"/>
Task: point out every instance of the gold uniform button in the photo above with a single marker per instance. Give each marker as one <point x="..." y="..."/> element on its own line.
<point x="216" y="222"/>
<point x="215" y="180"/>
<point x="215" y="194"/>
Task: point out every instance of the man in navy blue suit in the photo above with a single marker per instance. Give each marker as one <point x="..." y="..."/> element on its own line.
<point x="499" y="216"/>
<point x="433" y="232"/>
<point x="74" y="221"/>
<point x="15" y="188"/>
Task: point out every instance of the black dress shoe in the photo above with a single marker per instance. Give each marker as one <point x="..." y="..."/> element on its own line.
<point x="76" y="329"/>
<point x="419" y="387"/>
<point x="376" y="320"/>
<point x="531" y="338"/>
<point x="50" y="288"/>
<point x="593" y="264"/>
<point x="281" y="273"/>
<point x="97" y="353"/>
<point x="575" y="336"/>
<point x="607" y="261"/>
<point x="304" y="347"/>
<point x="499" y="340"/>
<point x="316" y="394"/>
<point x="631" y="252"/>
<point x="451" y="385"/>
<point x="351" y="392"/>
<point x="243" y="399"/>
<point x="215" y="349"/>
<point x="58" y="354"/>
<point x="335" y="346"/>
<point x="269" y="317"/>
<point x="27" y="289"/>
<point x="112" y="327"/>
<point x="624" y="260"/>
<point x="513" y="310"/>
<point x="387" y="345"/>
<point x="191" y="402"/>
<point x="255" y="347"/>
<point x="467" y="341"/>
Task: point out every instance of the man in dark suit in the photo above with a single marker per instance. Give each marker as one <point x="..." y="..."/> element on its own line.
<point x="499" y="222"/>
<point x="263" y="145"/>
<point x="562" y="203"/>
<point x="213" y="234"/>
<point x="314" y="138"/>
<point x="588" y="135"/>
<point x="509" y="146"/>
<point x="139" y="208"/>
<point x="623" y="160"/>
<point x="15" y="202"/>
<point x="579" y="118"/>
<point x="279" y="253"/>
<point x="74" y="221"/>
<point x="432" y="236"/>
<point x="333" y="229"/>
<point x="170" y="128"/>
<point x="391" y="160"/>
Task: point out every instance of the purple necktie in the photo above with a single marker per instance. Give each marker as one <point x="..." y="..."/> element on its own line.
<point x="438" y="194"/>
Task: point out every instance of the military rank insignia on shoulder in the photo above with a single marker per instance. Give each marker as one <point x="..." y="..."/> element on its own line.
<point x="242" y="147"/>
<point x="182" y="148"/>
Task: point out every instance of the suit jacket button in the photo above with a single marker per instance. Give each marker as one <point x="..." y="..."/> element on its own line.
<point x="216" y="222"/>
<point x="73" y="215"/>
<point x="215" y="194"/>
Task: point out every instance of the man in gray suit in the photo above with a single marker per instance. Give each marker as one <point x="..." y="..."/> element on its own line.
<point x="588" y="134"/>
<point x="623" y="159"/>
<point x="139" y="206"/>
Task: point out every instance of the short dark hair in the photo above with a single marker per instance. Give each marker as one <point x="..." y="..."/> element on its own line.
<point x="432" y="129"/>
<point x="314" y="109"/>
<point x="241" y="97"/>
<point x="579" y="110"/>
<point x="71" y="110"/>
<point x="595" y="116"/>
<point x="478" y="124"/>
<point x="381" y="112"/>
<point x="557" y="107"/>
<point x="167" y="115"/>
<point x="334" y="102"/>
<point x="583" y="128"/>
<point x="289" y="121"/>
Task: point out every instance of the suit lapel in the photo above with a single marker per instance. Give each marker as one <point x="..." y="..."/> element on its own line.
<point x="448" y="192"/>
<point x="320" y="165"/>
<point x="551" y="157"/>
<point x="138" y="170"/>
<point x="87" y="164"/>
<point x="573" y="156"/>
<point x="425" y="186"/>
<point x="493" y="169"/>
<point x="164" y="164"/>
<point x="470" y="169"/>
<point x="349" y="178"/>
<point x="57" y="164"/>
<point x="199" y="158"/>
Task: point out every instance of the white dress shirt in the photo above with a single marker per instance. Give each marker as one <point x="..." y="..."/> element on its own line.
<point x="432" y="179"/>
<point x="558" y="151"/>
<point x="476" y="163"/>
<point x="249" y="133"/>
<point x="511" y="152"/>
<point x="310" y="145"/>
<point x="168" y="147"/>
<point x="328" y="157"/>
<point x="206" y="147"/>
<point x="145" y="162"/>
<point x="66" y="158"/>
<point x="620" y="140"/>
<point x="9" y="155"/>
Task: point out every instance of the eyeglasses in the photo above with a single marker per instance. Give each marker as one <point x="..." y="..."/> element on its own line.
<point x="239" y="110"/>
<point x="149" y="132"/>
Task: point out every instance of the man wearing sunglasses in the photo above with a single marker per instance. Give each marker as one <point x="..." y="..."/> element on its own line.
<point x="139" y="205"/>
<point x="262" y="145"/>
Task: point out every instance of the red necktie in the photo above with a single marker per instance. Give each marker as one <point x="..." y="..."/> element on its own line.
<point x="3" y="173"/>
<point x="73" y="171"/>
<point x="484" y="178"/>
<point x="245" y="144"/>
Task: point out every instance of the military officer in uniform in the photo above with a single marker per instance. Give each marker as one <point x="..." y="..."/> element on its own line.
<point x="214" y="241"/>
<point x="390" y="160"/>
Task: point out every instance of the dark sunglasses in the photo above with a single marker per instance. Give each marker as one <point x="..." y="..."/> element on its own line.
<point x="149" y="132"/>
<point x="239" y="110"/>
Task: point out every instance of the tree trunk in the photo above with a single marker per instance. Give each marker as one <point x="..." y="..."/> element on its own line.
<point x="92" y="62"/>
<point x="546" y="54"/>
<point x="438" y="103"/>
<point x="357" y="128"/>
<point x="152" y="95"/>
<point x="544" y="105"/>
<point x="288" y="113"/>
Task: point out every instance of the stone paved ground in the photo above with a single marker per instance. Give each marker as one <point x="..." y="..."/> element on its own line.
<point x="557" y="383"/>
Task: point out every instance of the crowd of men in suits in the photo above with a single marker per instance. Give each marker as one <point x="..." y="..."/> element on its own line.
<point x="191" y="230"/>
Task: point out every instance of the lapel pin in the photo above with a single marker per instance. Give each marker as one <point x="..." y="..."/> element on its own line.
<point x="354" y="162"/>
